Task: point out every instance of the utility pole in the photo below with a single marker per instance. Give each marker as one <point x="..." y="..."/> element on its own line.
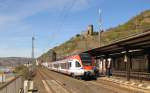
<point x="33" y="48"/>
<point x="33" y="63"/>
<point x="100" y="26"/>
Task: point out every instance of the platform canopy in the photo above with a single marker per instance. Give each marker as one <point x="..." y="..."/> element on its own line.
<point x="135" y="42"/>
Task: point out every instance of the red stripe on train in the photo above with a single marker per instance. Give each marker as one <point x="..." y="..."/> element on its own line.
<point x="88" y="67"/>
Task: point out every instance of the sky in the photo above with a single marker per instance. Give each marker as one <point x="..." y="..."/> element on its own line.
<point x="53" y="22"/>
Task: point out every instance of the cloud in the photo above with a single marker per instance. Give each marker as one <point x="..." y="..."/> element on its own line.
<point x="16" y="10"/>
<point x="17" y="33"/>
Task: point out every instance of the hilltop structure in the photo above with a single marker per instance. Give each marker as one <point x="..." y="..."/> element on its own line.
<point x="88" y="32"/>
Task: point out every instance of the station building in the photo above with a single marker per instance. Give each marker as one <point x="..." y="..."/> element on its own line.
<point x="129" y="57"/>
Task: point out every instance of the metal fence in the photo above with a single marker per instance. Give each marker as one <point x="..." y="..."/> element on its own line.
<point x="136" y="75"/>
<point x="13" y="86"/>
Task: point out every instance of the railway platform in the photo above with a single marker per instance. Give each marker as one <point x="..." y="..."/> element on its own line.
<point x="143" y="86"/>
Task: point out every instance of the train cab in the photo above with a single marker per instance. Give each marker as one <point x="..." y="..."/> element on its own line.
<point x="80" y="65"/>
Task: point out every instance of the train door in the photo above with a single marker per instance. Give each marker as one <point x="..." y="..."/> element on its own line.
<point x="59" y="67"/>
<point x="72" y="68"/>
<point x="78" y="68"/>
<point x="69" y="67"/>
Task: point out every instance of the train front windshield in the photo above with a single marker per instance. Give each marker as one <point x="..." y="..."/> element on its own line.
<point x="86" y="59"/>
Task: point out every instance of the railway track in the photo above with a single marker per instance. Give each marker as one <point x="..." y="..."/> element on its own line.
<point x="94" y="86"/>
<point x="45" y="84"/>
<point x="52" y="85"/>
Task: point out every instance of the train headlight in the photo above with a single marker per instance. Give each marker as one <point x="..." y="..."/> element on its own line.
<point x="81" y="68"/>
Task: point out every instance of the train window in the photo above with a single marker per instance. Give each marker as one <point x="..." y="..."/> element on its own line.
<point x="63" y="65"/>
<point x="69" y="64"/>
<point x="78" y="64"/>
<point x="55" y="65"/>
<point x="85" y="56"/>
<point x="86" y="59"/>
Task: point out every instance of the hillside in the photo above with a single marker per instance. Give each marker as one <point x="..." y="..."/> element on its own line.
<point x="13" y="61"/>
<point x="83" y="42"/>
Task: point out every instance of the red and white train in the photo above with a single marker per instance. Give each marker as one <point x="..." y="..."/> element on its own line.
<point x="81" y="65"/>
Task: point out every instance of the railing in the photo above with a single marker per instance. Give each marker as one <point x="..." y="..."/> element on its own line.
<point x="135" y="75"/>
<point x="12" y="86"/>
<point x="141" y="75"/>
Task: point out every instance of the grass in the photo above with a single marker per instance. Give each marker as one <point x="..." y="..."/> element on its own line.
<point x="22" y="71"/>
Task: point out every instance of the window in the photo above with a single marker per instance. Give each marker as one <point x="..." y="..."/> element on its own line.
<point x="63" y="65"/>
<point x="78" y="64"/>
<point x="69" y="64"/>
<point x="56" y="65"/>
<point x="86" y="59"/>
<point x="85" y="56"/>
<point x="139" y="63"/>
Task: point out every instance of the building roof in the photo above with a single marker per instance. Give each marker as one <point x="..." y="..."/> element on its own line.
<point x="139" y="41"/>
